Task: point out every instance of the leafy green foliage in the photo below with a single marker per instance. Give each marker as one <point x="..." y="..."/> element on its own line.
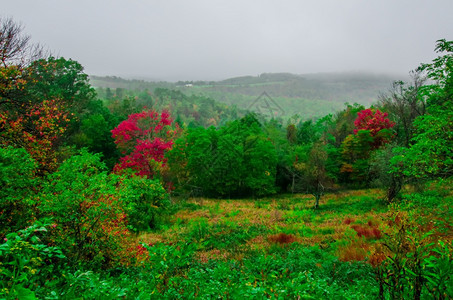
<point x="92" y="209"/>
<point x="17" y="184"/>
<point x="146" y="202"/>
<point x="27" y="263"/>
<point x="234" y="160"/>
<point x="404" y="103"/>
<point x="431" y="153"/>
<point x="291" y="274"/>
<point x="315" y="179"/>
<point x="95" y="134"/>
<point x="83" y="201"/>
<point x="410" y="250"/>
<point x="59" y="78"/>
<point x="39" y="106"/>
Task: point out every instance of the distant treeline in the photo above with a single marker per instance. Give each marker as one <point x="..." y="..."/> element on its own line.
<point x="310" y="95"/>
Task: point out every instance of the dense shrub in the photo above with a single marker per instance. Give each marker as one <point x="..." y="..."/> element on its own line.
<point x="17" y="186"/>
<point x="85" y="205"/>
<point x="413" y="261"/>
<point x="146" y="202"/>
<point x="27" y="263"/>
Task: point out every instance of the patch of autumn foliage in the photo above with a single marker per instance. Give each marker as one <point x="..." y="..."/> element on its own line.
<point x="348" y="220"/>
<point x="367" y="231"/>
<point x="26" y="122"/>
<point x="358" y="249"/>
<point x="375" y="121"/>
<point x="38" y="130"/>
<point x="282" y="238"/>
<point x="144" y="138"/>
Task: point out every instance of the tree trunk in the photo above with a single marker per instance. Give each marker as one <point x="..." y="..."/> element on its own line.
<point x="317" y="197"/>
<point x="394" y="188"/>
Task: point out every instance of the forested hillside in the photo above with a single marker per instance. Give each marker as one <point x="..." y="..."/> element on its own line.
<point x="132" y="192"/>
<point x="309" y="95"/>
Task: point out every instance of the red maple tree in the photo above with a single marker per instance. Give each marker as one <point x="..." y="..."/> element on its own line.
<point x="377" y="123"/>
<point x="144" y="138"/>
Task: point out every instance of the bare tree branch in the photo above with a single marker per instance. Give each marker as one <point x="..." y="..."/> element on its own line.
<point x="15" y="46"/>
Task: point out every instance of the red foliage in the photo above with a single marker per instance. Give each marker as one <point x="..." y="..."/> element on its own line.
<point x="374" y="121"/>
<point x="282" y="238"/>
<point x="367" y="232"/>
<point x="38" y="129"/>
<point x="348" y="221"/>
<point x="141" y="250"/>
<point x="145" y="137"/>
<point x="377" y="233"/>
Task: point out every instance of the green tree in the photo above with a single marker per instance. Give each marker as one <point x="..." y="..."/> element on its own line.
<point x="59" y="78"/>
<point x="108" y="93"/>
<point x="404" y="103"/>
<point x="431" y="152"/>
<point x="89" y="216"/>
<point x="313" y="175"/>
<point x="146" y="202"/>
<point x="95" y="132"/>
<point x="40" y="106"/>
<point x="235" y="160"/>
<point x="342" y="124"/>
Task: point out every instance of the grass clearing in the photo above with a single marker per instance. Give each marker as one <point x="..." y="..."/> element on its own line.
<point x="280" y="247"/>
<point x="242" y="225"/>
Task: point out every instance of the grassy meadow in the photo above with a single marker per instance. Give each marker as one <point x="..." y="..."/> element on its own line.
<point x="281" y="248"/>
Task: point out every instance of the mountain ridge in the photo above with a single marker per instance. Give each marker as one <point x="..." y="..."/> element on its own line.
<point x="312" y="95"/>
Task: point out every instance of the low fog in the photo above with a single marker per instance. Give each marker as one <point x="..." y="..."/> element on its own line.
<point x="211" y="40"/>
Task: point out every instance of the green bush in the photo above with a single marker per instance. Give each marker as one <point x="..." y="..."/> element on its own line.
<point x="28" y="264"/>
<point x="87" y="208"/>
<point x="17" y="183"/>
<point x="146" y="202"/>
<point x="305" y="273"/>
<point x="417" y="265"/>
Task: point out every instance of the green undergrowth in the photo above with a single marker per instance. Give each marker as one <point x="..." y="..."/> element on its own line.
<point x="277" y="248"/>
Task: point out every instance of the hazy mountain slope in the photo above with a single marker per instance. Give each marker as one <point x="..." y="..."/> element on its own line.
<point x="309" y="95"/>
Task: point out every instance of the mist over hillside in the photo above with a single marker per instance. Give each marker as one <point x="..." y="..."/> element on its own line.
<point x="308" y="95"/>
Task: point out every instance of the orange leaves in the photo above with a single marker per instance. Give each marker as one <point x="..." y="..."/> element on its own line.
<point x="346" y="168"/>
<point x="354" y="252"/>
<point x="10" y="80"/>
<point x="37" y="129"/>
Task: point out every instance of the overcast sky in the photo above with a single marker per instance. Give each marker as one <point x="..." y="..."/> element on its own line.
<point x="207" y="40"/>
